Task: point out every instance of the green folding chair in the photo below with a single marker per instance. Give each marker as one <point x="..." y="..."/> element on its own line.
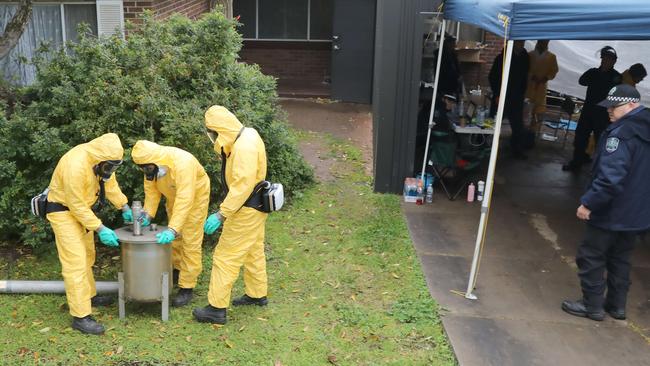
<point x="451" y="167"/>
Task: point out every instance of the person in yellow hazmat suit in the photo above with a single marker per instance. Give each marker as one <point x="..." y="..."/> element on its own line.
<point x="82" y="181"/>
<point x="242" y="240"/>
<point x="177" y="175"/>
<point x="543" y="67"/>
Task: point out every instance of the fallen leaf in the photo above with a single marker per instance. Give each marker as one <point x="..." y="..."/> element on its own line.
<point x="394" y="275"/>
<point x="229" y="344"/>
<point x="22" y="351"/>
<point x="277" y="363"/>
<point x="45" y="330"/>
<point x="331" y="359"/>
<point x="242" y="328"/>
<point x="108" y="353"/>
<point x="116" y="258"/>
<point x="188" y="338"/>
<point x="217" y="326"/>
<point x="119" y="350"/>
<point x="263" y="319"/>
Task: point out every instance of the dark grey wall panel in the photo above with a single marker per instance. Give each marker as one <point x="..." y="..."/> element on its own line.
<point x="398" y="52"/>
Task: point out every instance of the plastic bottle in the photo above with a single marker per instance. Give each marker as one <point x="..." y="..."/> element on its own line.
<point x="429" y="193"/>
<point x="470" y="192"/>
<point x="420" y="193"/>
<point x="481" y="190"/>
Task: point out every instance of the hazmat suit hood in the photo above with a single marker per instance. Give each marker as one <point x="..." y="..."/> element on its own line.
<point x="222" y="121"/>
<point x="147" y="152"/>
<point x="103" y="148"/>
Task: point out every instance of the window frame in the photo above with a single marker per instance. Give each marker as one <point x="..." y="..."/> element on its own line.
<point x="257" y="29"/>
<point x="62" y="4"/>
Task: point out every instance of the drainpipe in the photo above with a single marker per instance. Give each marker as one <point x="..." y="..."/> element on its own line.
<point x="49" y="287"/>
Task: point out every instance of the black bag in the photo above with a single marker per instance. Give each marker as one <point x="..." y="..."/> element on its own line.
<point x="266" y="197"/>
<point x="39" y="204"/>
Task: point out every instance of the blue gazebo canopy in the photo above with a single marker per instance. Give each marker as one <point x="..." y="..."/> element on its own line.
<point x="556" y="19"/>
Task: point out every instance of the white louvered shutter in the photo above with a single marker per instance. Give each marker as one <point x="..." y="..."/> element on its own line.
<point x="110" y="17"/>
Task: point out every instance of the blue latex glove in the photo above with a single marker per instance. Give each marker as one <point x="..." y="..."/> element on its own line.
<point x="108" y="237"/>
<point x="144" y="219"/>
<point x="166" y="237"/>
<point x="127" y="216"/>
<point x="211" y="224"/>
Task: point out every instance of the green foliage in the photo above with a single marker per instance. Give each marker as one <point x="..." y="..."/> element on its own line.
<point x="412" y="310"/>
<point x="155" y="86"/>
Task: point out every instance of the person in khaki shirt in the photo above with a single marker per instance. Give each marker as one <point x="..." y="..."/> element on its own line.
<point x="634" y="75"/>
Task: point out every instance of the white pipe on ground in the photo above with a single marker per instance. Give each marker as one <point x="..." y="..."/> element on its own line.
<point x="49" y="287"/>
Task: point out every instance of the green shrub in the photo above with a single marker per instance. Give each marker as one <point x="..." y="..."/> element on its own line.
<point x="156" y="86"/>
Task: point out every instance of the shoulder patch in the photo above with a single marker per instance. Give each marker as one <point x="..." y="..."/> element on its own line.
<point x="612" y="144"/>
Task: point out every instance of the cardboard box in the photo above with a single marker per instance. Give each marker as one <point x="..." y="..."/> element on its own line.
<point x="469" y="51"/>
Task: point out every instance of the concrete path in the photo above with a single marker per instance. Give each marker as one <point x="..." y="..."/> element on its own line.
<point x="527" y="270"/>
<point x="528" y="263"/>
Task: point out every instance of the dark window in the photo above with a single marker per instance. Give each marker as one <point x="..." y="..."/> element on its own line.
<point x="285" y="19"/>
<point x="76" y="14"/>
<point x="282" y="19"/>
<point x="320" y="19"/>
<point x="245" y="9"/>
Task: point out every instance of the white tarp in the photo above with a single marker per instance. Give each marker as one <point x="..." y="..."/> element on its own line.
<point x="576" y="57"/>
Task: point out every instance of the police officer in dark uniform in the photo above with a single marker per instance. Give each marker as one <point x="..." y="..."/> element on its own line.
<point x="616" y="207"/>
<point x="593" y="118"/>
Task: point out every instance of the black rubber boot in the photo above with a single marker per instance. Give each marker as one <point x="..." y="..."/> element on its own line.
<point x="175" y="275"/>
<point x="247" y="300"/>
<point x="578" y="308"/>
<point x="183" y="297"/>
<point x="614" y="312"/>
<point x="98" y="300"/>
<point x="210" y="314"/>
<point x="87" y="325"/>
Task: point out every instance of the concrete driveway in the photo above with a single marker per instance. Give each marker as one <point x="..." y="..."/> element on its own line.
<point x="527" y="270"/>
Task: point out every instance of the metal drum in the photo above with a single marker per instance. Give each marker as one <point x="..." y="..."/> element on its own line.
<point x="146" y="265"/>
<point x="143" y="264"/>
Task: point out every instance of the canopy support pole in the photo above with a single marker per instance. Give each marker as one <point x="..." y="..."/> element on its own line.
<point x="485" y="207"/>
<point x="433" y="98"/>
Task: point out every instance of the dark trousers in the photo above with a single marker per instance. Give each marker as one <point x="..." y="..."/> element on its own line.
<point x="604" y="250"/>
<point x="592" y="119"/>
<point x="514" y="110"/>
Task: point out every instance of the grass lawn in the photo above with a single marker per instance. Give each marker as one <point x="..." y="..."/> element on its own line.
<point x="345" y="288"/>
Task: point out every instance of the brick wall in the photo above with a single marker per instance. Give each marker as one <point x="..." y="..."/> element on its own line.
<point x="190" y="8"/>
<point x="165" y="8"/>
<point x="305" y="61"/>
<point x="132" y="9"/>
<point x="477" y="73"/>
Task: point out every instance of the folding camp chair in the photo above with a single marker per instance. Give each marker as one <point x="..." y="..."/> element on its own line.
<point x="568" y="107"/>
<point x="451" y="166"/>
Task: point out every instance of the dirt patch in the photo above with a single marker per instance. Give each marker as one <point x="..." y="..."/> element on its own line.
<point x="315" y="153"/>
<point x="347" y="121"/>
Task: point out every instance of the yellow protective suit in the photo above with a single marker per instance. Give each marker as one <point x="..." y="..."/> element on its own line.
<point x="542" y="66"/>
<point x="75" y="185"/>
<point x="186" y="188"/>
<point x="242" y="238"/>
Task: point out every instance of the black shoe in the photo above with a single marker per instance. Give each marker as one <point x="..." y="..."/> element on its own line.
<point x="247" y="300"/>
<point x="183" y="297"/>
<point x="98" y="300"/>
<point x="210" y="314"/>
<point x="175" y="275"/>
<point x="578" y="308"/>
<point x="87" y="325"/>
<point x="615" y="312"/>
<point x="571" y="167"/>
